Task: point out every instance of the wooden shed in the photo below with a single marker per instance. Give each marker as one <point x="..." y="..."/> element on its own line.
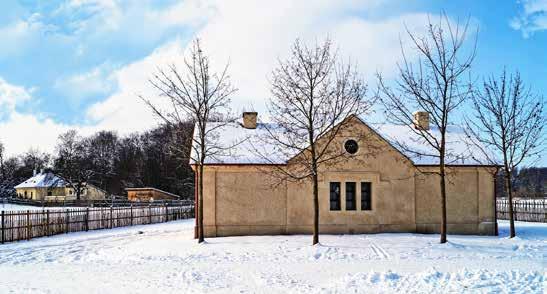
<point x="149" y="194"/>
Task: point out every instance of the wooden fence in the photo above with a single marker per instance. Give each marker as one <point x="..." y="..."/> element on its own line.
<point x="529" y="210"/>
<point x="25" y="225"/>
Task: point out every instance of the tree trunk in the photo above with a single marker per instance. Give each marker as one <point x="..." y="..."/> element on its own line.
<point x="443" y="201"/>
<point x="508" y="186"/>
<point x="201" y="235"/>
<point x="315" y="209"/>
<point x="78" y="191"/>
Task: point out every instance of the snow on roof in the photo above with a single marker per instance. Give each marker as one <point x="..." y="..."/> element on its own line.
<point x="459" y="150"/>
<point x="243" y="146"/>
<point x="250" y="145"/>
<point x="43" y="180"/>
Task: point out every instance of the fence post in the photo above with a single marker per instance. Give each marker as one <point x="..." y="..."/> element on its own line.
<point x="150" y="213"/>
<point x="111" y="220"/>
<point x="47" y="222"/>
<point x="87" y="219"/>
<point x="131" y="213"/>
<point x="29" y="225"/>
<point x="3" y="227"/>
<point x="67" y="222"/>
<point x="166" y="213"/>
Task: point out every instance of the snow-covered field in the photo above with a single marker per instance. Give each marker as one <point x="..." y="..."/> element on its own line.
<point x="164" y="258"/>
<point x="18" y="207"/>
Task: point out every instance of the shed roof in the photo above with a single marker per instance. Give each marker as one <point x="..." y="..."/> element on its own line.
<point x="151" y="189"/>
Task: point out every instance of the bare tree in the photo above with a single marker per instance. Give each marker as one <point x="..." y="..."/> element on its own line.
<point x="102" y="151"/>
<point x="197" y="95"/>
<point x="73" y="161"/>
<point x="435" y="83"/>
<point x="35" y="160"/>
<point x="313" y="95"/>
<point x="507" y="125"/>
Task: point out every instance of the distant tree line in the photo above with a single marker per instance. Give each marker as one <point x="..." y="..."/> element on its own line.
<point x="528" y="182"/>
<point x="156" y="158"/>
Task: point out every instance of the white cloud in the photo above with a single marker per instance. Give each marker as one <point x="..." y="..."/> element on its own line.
<point x="532" y="18"/>
<point x="21" y="131"/>
<point x="87" y="25"/>
<point x="251" y="35"/>
<point x="11" y="95"/>
<point x="17" y="36"/>
<point x="78" y="87"/>
<point x="124" y="111"/>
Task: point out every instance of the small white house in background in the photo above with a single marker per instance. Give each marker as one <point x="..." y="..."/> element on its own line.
<point x="51" y="187"/>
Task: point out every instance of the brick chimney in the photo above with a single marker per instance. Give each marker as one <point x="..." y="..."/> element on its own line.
<point x="421" y="120"/>
<point x="249" y="120"/>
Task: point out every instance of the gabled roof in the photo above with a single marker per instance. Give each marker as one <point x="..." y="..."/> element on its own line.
<point x="459" y="149"/>
<point x="243" y="143"/>
<point x="43" y="180"/>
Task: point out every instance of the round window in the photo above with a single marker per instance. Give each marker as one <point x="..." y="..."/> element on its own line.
<point x="351" y="146"/>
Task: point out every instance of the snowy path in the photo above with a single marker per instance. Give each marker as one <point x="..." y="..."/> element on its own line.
<point x="165" y="259"/>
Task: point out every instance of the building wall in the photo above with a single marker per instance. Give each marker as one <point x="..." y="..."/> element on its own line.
<point x="247" y="203"/>
<point x="470" y="201"/>
<point x="392" y="180"/>
<point x="146" y="195"/>
<point x="60" y="194"/>
<point x="38" y="193"/>
<point x="250" y="200"/>
<point x="93" y="193"/>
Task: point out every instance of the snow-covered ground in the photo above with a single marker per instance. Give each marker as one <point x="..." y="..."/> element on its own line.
<point x="18" y="207"/>
<point x="164" y="258"/>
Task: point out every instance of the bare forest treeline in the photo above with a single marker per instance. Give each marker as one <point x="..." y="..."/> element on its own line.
<point x="154" y="158"/>
<point x="529" y="182"/>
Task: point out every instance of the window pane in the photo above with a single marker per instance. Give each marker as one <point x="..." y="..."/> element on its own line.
<point x="366" y="199"/>
<point x="335" y="196"/>
<point x="350" y="196"/>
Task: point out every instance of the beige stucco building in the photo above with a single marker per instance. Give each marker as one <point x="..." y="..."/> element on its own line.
<point x="50" y="187"/>
<point x="378" y="188"/>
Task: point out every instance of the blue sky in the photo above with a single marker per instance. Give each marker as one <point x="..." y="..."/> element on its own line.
<point x="81" y="63"/>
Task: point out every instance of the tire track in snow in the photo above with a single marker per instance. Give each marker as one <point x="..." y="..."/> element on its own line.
<point x="379" y="251"/>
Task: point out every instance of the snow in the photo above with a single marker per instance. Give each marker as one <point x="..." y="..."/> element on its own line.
<point x="43" y="180"/>
<point x="164" y="258"/>
<point x="249" y="146"/>
<point x="459" y="148"/>
<point x="18" y="207"/>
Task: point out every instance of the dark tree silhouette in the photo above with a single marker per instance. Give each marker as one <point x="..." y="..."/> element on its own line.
<point x="73" y="161"/>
